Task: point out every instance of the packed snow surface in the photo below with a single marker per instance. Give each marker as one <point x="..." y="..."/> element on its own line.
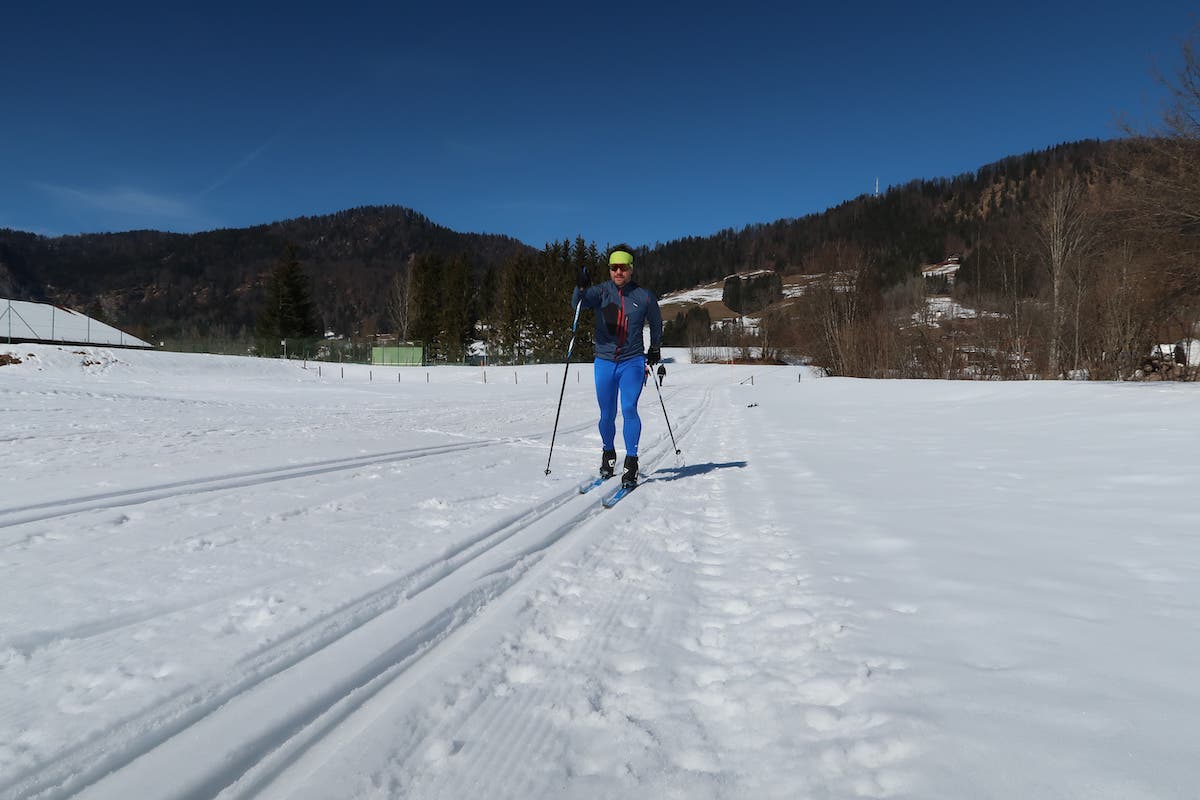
<point x="698" y="296"/>
<point x="229" y="577"/>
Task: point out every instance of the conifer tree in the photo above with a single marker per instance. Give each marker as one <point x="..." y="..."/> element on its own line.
<point x="288" y="313"/>
<point x="514" y="319"/>
<point x="426" y="289"/>
<point x="455" y="308"/>
<point x="530" y="314"/>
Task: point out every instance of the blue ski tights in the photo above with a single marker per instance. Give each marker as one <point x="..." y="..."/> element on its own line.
<point x="626" y="378"/>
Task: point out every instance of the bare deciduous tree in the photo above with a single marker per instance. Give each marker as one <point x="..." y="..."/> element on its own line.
<point x="1065" y="231"/>
<point x="1176" y="194"/>
<point x="1162" y="169"/>
<point x="1122" y="321"/>
<point x="399" y="302"/>
<point x="1014" y="328"/>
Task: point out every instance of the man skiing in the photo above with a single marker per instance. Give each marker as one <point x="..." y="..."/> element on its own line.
<point x="622" y="309"/>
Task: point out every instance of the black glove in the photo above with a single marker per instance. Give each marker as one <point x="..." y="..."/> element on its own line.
<point x="653" y="356"/>
<point x="585" y="281"/>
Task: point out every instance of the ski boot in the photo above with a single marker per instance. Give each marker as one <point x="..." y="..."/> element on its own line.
<point x="629" y="477"/>
<point x="608" y="463"/>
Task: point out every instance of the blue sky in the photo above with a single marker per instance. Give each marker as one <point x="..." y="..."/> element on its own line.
<point x="638" y="122"/>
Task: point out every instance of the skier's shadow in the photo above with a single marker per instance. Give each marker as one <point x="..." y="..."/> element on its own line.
<point x="689" y="470"/>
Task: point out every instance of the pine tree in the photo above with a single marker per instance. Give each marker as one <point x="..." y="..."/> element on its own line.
<point x="427" y="280"/>
<point x="288" y="313"/>
<point x="514" y="322"/>
<point x="530" y="314"/>
<point x="455" y="308"/>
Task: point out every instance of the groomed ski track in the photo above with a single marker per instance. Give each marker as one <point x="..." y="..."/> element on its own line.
<point x="249" y="732"/>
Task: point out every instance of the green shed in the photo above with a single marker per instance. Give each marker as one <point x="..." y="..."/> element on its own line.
<point x="404" y="355"/>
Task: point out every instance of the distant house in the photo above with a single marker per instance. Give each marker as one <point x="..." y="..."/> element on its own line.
<point x="943" y="273"/>
<point x="43" y="323"/>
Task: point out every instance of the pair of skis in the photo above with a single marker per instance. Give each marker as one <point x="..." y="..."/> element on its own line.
<point x="612" y="497"/>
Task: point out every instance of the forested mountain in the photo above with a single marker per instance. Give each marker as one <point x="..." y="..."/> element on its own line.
<point x="920" y="222"/>
<point x="389" y="269"/>
<point x="169" y="285"/>
<point x="165" y="284"/>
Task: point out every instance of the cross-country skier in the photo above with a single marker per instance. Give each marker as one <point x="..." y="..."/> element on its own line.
<point x="622" y="309"/>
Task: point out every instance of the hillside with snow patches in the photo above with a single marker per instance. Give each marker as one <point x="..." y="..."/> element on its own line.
<point x="937" y="309"/>
<point x="232" y="577"/>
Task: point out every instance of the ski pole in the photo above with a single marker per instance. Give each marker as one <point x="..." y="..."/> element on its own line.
<point x="563" y="390"/>
<point x="664" y="408"/>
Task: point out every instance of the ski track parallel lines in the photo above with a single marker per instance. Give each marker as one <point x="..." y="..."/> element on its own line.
<point x="51" y="509"/>
<point x="178" y="713"/>
<point x="160" y="725"/>
<point x="486" y="776"/>
<point x="168" y="718"/>
<point x="530" y="733"/>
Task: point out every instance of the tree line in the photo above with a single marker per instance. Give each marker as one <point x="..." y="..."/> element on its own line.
<point x="519" y="310"/>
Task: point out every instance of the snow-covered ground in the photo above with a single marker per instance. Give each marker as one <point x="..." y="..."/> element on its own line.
<point x="229" y="577"/>
<point x="794" y="286"/>
<point x="710" y="293"/>
<point x="939" y="308"/>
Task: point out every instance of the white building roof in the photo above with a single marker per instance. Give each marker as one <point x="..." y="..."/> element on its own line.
<point x="23" y="321"/>
<point x="945" y="268"/>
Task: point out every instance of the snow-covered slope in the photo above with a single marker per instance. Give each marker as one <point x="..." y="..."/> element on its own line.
<point x="241" y="578"/>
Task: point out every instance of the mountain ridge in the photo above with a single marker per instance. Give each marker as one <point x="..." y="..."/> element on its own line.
<point x="172" y="284"/>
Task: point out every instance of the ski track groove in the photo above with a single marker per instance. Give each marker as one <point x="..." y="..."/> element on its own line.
<point x="33" y="641"/>
<point x="390" y="593"/>
<point x="342" y="620"/>
<point x="278" y="656"/>
<point x="532" y="734"/>
<point x="81" y="767"/>
<point x="52" y="509"/>
<point x="500" y="728"/>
